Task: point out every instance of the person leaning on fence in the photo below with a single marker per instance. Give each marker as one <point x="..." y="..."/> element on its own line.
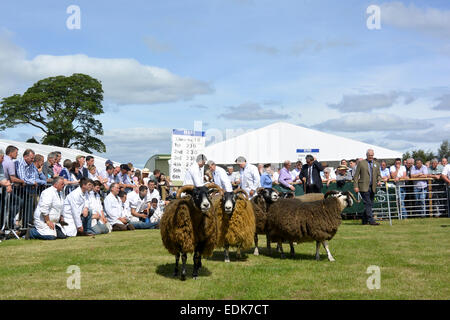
<point x="48" y="214"/>
<point x="27" y="172"/>
<point x="398" y="173"/>
<point x="285" y="178"/>
<point x="57" y="166"/>
<point x="5" y="183"/>
<point x="384" y="171"/>
<point x="420" y="186"/>
<point x="438" y="190"/>
<point x="47" y="167"/>
<point x="266" y="179"/>
<point x="367" y="177"/>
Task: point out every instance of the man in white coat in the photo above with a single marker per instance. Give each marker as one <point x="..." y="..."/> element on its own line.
<point x="75" y="205"/>
<point x="250" y="178"/>
<point x="194" y="176"/>
<point x="47" y="215"/>
<point x="220" y="177"/>
<point x="114" y="209"/>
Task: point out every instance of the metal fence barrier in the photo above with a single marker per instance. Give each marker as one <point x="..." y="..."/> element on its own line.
<point x="396" y="200"/>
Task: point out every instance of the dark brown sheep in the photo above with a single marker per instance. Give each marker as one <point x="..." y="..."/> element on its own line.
<point x="261" y="203"/>
<point x="236" y="221"/>
<point x="189" y="225"/>
<point x="295" y="221"/>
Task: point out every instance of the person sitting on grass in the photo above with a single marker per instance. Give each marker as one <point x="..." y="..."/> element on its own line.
<point x="48" y="214"/>
<point x="115" y="209"/>
<point x="139" y="209"/>
<point x="96" y="220"/>
<point x="155" y="214"/>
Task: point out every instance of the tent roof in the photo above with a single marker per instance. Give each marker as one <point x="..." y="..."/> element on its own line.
<point x="281" y="141"/>
<point x="44" y="150"/>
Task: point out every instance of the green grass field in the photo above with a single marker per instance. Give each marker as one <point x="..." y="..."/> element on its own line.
<point x="413" y="256"/>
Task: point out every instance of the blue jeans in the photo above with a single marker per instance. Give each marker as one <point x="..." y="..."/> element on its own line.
<point x="87" y="223"/>
<point x="100" y="228"/>
<point x="402" y="193"/>
<point x="144" y="225"/>
<point x="34" y="234"/>
<point x="419" y="193"/>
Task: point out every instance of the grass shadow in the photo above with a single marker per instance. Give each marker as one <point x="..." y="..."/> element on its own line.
<point x="166" y="270"/>
<point x="220" y="256"/>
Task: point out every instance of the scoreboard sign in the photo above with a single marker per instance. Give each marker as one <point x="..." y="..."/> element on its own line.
<point x="186" y="145"/>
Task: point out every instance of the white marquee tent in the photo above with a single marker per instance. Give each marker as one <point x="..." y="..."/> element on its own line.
<point x="44" y="150"/>
<point x="282" y="141"/>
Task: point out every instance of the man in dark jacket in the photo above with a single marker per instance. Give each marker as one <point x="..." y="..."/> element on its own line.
<point x="310" y="175"/>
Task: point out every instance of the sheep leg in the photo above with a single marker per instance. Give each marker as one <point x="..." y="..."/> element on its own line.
<point x="183" y="266"/>
<point x="227" y="256"/>
<point x="256" y="252"/>
<point x="325" y="245"/>
<point x="269" y="246"/>
<point x="291" y="244"/>
<point x="177" y="260"/>
<point x="317" y="250"/>
<point x="197" y="264"/>
<point x="280" y="247"/>
<point x="238" y="253"/>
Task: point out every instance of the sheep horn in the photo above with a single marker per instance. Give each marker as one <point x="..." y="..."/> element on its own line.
<point x="239" y="190"/>
<point x="214" y="186"/>
<point x="258" y="191"/>
<point x="351" y="195"/>
<point x="185" y="188"/>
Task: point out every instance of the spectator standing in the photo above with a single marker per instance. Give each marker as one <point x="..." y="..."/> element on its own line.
<point x="145" y="176"/>
<point x="194" y="175"/>
<point x="367" y="177"/>
<point x="352" y="169"/>
<point x="220" y="177"/>
<point x="420" y="186"/>
<point x="157" y="173"/>
<point x="384" y="171"/>
<point x="266" y="179"/>
<point x="260" y="168"/>
<point x="124" y="179"/>
<point x="438" y="190"/>
<point x="233" y="177"/>
<point x="285" y="178"/>
<point x="56" y="166"/>
<point x="327" y="177"/>
<point x="39" y="176"/>
<point x="47" y="168"/>
<point x="398" y="173"/>
<point x="295" y="174"/>
<point x="26" y="171"/>
<point x="310" y="175"/>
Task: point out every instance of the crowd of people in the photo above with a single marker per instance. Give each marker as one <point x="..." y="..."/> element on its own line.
<point x="83" y="198"/>
<point x="77" y="197"/>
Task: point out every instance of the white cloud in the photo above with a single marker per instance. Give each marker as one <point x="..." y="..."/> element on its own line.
<point x="430" y="20"/>
<point x="444" y="103"/>
<point x="372" y="122"/>
<point x="250" y="111"/>
<point x="136" y="144"/>
<point x="125" y="81"/>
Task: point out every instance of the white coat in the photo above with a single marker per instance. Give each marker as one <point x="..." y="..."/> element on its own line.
<point x="74" y="204"/>
<point x="222" y="180"/>
<point x="250" y="178"/>
<point x="194" y="176"/>
<point x="113" y="209"/>
<point x="51" y="204"/>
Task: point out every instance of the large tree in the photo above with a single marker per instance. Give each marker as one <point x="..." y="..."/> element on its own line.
<point x="444" y="150"/>
<point x="63" y="108"/>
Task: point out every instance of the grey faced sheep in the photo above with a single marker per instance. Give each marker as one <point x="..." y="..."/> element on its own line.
<point x="261" y="203"/>
<point x="189" y="225"/>
<point x="295" y="221"/>
<point x="236" y="221"/>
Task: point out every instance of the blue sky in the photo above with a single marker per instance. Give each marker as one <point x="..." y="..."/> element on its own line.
<point x="241" y="64"/>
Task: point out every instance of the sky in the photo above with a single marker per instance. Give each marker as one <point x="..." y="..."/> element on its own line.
<point x="237" y="65"/>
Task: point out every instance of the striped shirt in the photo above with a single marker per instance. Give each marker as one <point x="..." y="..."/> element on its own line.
<point x="26" y="172"/>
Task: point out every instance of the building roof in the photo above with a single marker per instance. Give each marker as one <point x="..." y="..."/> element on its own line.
<point x="282" y="141"/>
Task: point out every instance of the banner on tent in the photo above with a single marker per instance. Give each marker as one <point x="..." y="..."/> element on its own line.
<point x="301" y="153"/>
<point x="186" y="145"/>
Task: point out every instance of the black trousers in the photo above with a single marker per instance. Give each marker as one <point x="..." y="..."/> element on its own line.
<point x="312" y="188"/>
<point x="367" y="198"/>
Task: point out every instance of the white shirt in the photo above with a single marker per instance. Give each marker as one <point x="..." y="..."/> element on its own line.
<point x="194" y="176"/>
<point x="275" y="176"/>
<point x="400" y="173"/>
<point x="51" y="204"/>
<point x="222" y="180"/>
<point x="74" y="204"/>
<point x="135" y="202"/>
<point x="153" y="194"/>
<point x="446" y="171"/>
<point x="157" y="214"/>
<point x="250" y="179"/>
<point x="233" y="177"/>
<point x="95" y="205"/>
<point x="113" y="209"/>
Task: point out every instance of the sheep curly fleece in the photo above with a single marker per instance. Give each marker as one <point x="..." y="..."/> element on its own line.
<point x="309" y="197"/>
<point x="293" y="220"/>
<point x="183" y="227"/>
<point x="239" y="231"/>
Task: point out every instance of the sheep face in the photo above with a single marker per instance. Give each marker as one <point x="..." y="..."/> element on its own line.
<point x="344" y="198"/>
<point x="201" y="198"/>
<point x="229" y="201"/>
<point x="270" y="195"/>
